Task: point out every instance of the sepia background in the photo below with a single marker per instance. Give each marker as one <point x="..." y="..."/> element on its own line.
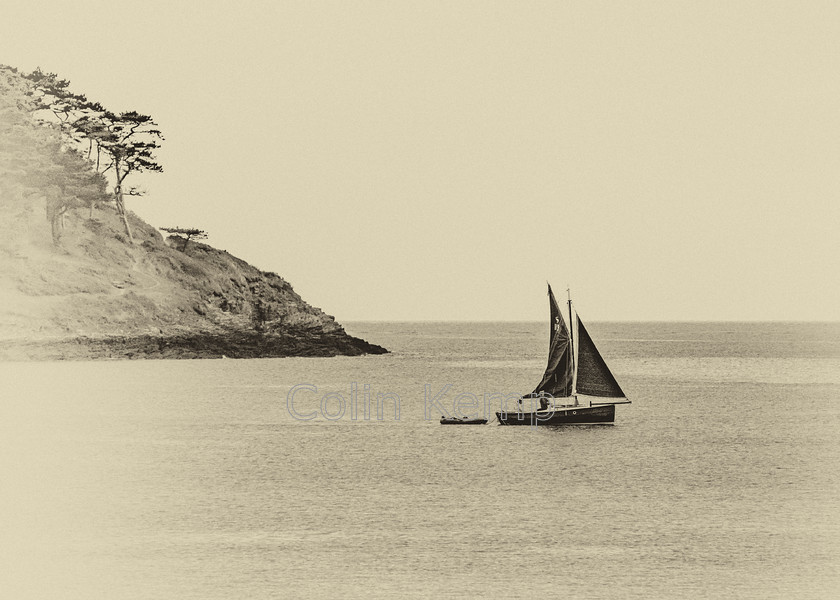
<point x="419" y="170"/>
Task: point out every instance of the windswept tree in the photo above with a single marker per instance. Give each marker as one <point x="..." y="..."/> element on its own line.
<point x="91" y="129"/>
<point x="129" y="140"/>
<point x="66" y="182"/>
<point x="36" y="163"/>
<point x="49" y="93"/>
<point x="186" y="234"/>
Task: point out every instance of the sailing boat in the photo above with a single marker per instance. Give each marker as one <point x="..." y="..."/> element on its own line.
<point x="569" y="374"/>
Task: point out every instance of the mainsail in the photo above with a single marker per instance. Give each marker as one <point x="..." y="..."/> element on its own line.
<point x="593" y="376"/>
<point x="557" y="380"/>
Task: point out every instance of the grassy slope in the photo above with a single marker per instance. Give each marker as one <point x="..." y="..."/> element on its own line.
<point x="119" y="299"/>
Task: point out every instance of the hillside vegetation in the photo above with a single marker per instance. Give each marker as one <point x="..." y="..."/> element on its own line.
<point x="81" y="277"/>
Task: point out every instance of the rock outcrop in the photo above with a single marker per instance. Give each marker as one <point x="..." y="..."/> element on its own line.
<point x="73" y="286"/>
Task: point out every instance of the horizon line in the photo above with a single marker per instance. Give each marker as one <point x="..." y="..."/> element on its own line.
<point x="791" y="321"/>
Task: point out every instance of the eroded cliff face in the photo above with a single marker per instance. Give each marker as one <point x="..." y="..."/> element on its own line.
<point x="73" y="286"/>
<point x="95" y="295"/>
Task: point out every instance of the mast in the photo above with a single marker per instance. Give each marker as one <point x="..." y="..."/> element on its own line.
<point x="572" y="346"/>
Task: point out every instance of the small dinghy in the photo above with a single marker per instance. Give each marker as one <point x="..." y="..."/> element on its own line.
<point x="457" y="421"/>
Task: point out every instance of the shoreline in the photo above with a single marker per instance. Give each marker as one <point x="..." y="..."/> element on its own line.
<point x="234" y="344"/>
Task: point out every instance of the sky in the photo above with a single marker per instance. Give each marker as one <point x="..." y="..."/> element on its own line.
<point x="429" y="160"/>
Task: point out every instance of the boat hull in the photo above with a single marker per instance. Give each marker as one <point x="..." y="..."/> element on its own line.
<point x="573" y="415"/>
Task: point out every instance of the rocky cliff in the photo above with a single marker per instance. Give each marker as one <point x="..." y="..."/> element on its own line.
<point x="73" y="286"/>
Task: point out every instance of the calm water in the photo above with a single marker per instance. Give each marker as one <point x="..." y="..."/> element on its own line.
<point x="190" y="479"/>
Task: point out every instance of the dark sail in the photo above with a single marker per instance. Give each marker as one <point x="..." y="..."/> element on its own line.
<point x="593" y="376"/>
<point x="557" y="380"/>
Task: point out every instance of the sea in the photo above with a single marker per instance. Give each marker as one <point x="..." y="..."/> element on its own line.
<point x="333" y="478"/>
